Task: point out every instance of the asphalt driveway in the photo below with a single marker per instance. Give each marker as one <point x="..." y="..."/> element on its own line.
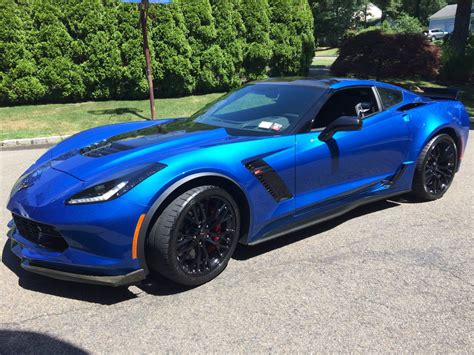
<point x="392" y="276"/>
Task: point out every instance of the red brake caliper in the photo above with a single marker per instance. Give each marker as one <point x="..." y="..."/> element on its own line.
<point x="216" y="229"/>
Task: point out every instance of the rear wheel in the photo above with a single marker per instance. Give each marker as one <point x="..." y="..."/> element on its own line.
<point x="194" y="238"/>
<point x="435" y="168"/>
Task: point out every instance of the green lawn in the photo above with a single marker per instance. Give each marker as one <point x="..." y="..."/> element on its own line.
<point x="62" y="119"/>
<point x="327" y="51"/>
<point x="323" y="61"/>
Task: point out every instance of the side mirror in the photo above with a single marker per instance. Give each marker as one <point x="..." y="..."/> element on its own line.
<point x="361" y="108"/>
<point x="343" y="123"/>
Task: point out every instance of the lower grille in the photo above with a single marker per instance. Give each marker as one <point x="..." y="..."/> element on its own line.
<point x="41" y="234"/>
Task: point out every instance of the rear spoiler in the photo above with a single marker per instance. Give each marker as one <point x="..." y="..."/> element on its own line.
<point x="441" y="94"/>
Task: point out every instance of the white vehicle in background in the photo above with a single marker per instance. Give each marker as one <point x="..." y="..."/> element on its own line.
<point x="435" y="34"/>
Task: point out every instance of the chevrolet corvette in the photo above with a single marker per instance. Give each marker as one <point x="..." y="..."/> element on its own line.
<point x="114" y="204"/>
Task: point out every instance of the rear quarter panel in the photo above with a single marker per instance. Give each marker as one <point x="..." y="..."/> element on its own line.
<point x="433" y="117"/>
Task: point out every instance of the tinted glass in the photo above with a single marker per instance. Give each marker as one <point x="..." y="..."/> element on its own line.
<point x="343" y="103"/>
<point x="390" y="97"/>
<point x="265" y="108"/>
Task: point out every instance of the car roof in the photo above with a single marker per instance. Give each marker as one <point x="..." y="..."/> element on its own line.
<point x="330" y="83"/>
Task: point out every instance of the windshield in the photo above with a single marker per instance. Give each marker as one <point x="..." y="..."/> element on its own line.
<point x="265" y="108"/>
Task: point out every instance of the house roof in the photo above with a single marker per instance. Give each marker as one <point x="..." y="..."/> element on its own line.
<point x="446" y="12"/>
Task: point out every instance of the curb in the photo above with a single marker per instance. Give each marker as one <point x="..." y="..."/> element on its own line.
<point x="27" y="143"/>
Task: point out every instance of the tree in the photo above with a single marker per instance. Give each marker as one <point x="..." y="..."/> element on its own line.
<point x="390" y="8"/>
<point x="332" y="18"/>
<point x="461" y="27"/>
<point x="407" y="24"/>
<point x="422" y="9"/>
<point x="258" y="47"/>
<point x="230" y="37"/>
<point x="172" y="53"/>
<point x="292" y="37"/>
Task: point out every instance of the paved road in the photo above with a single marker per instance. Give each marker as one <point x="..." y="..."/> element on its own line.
<point x="393" y="276"/>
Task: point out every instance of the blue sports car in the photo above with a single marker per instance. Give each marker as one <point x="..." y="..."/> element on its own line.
<point x="174" y="197"/>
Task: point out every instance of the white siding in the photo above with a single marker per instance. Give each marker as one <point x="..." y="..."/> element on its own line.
<point x="443" y="24"/>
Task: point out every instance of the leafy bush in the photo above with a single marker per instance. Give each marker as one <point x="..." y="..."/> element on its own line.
<point x="407" y="24"/>
<point x="458" y="68"/>
<point x="403" y="24"/>
<point x="292" y="36"/>
<point x="73" y="50"/>
<point x="381" y="55"/>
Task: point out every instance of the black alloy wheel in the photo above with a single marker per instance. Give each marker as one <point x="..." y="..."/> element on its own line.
<point x="205" y="235"/>
<point x="440" y="167"/>
<point x="195" y="236"/>
<point x="436" y="168"/>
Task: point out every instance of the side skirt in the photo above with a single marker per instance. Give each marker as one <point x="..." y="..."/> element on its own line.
<point x="324" y="216"/>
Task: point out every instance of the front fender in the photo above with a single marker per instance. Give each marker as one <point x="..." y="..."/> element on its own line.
<point x="146" y="223"/>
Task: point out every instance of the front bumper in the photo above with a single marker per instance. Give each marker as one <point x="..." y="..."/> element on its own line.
<point x="38" y="266"/>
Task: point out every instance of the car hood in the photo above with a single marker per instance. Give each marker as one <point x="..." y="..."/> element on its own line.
<point x="154" y="143"/>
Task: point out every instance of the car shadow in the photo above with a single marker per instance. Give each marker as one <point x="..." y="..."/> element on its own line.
<point x="245" y="252"/>
<point x="120" y="111"/>
<point x="160" y="286"/>
<point x="29" y="342"/>
<point x="84" y="292"/>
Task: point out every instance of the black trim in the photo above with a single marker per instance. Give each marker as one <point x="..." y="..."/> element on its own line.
<point x="411" y="106"/>
<point x="311" y="220"/>
<point x="339" y="197"/>
<point x="397" y="175"/>
<point x="270" y="179"/>
<point x="441" y="93"/>
<point x="41" y="234"/>
<point x="114" y="281"/>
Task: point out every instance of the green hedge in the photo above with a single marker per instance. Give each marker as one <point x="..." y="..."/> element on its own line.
<point x="75" y="50"/>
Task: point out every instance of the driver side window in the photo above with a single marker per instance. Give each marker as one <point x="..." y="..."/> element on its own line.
<point x="343" y="103"/>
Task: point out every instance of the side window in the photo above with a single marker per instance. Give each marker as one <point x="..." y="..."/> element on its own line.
<point x="389" y="97"/>
<point x="343" y="103"/>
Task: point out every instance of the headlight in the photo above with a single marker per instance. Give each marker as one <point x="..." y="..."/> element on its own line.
<point x="109" y="190"/>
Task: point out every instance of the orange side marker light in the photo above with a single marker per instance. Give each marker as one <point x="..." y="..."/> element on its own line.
<point x="135" y="236"/>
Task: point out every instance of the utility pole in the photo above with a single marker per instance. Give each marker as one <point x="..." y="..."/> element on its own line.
<point x="146" y="51"/>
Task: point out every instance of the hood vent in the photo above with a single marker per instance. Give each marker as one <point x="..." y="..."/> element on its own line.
<point x="103" y="149"/>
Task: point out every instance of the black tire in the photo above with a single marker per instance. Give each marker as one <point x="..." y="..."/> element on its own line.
<point x="178" y="241"/>
<point x="435" y="168"/>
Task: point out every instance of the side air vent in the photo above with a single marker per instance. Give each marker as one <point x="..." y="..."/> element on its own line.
<point x="411" y="106"/>
<point x="102" y="149"/>
<point x="269" y="179"/>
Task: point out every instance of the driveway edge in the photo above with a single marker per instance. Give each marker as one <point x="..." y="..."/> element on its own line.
<point x="28" y="143"/>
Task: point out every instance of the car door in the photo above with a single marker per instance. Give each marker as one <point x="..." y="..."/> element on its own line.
<point x="351" y="160"/>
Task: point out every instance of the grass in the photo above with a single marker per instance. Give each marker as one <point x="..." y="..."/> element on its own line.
<point x="323" y="61"/>
<point x="325" y="56"/>
<point x="62" y="119"/>
<point x="327" y="51"/>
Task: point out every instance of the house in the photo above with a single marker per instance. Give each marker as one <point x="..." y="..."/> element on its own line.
<point x="444" y="19"/>
<point x="370" y="14"/>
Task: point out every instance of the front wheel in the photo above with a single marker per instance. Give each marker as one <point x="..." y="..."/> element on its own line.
<point x="435" y="168"/>
<point x="195" y="236"/>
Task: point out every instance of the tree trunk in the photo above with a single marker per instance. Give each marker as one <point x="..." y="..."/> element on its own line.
<point x="417" y="9"/>
<point x="461" y="27"/>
